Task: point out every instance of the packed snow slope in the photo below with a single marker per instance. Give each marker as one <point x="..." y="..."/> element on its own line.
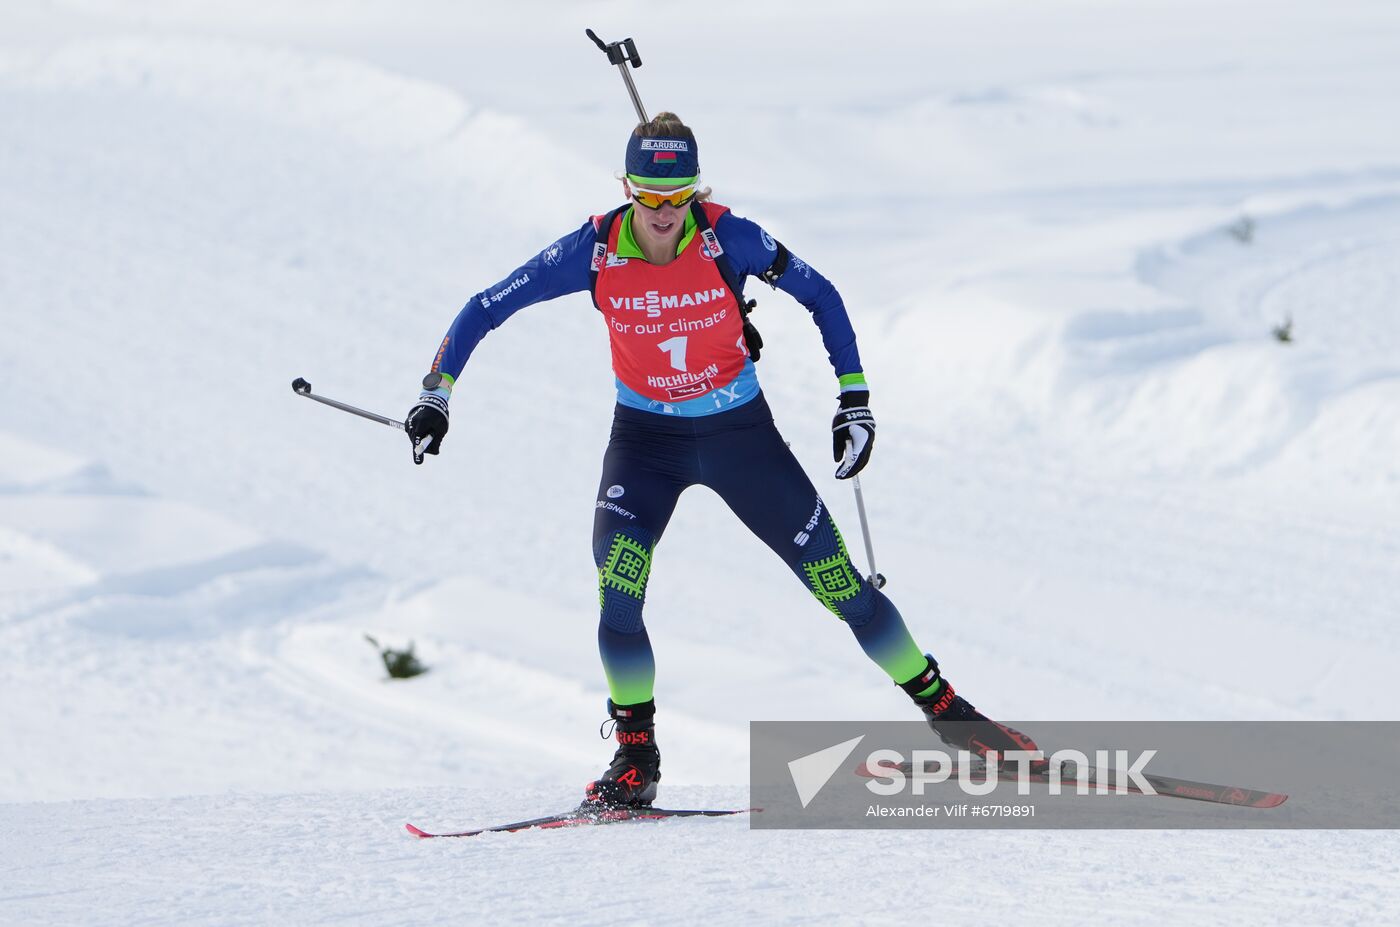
<point x="1066" y="232"/>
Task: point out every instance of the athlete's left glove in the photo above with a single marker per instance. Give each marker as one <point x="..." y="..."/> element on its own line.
<point x="427" y="420"/>
<point x="852" y="433"/>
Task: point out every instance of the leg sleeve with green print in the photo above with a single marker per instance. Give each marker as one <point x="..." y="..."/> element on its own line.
<point x="636" y="497"/>
<point x="650" y="460"/>
<point x="758" y="477"/>
<point x="624" y="564"/>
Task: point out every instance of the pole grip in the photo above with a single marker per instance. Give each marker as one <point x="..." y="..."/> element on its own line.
<point x="303" y="388"/>
<point x="420" y="447"/>
<point x="622" y="54"/>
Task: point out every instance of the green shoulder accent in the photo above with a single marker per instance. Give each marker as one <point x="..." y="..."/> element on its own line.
<point x="691" y="226"/>
<point x="627" y="246"/>
<point x="626" y="243"/>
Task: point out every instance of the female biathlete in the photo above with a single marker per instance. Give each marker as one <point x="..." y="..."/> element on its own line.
<point x="665" y="271"/>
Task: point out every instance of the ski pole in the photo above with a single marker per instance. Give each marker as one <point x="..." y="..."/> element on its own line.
<point x="621" y="54"/>
<point x="875" y="576"/>
<point x="303" y="388"/>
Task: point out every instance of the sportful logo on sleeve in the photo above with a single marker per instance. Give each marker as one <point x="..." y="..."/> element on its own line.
<point x="503" y="292"/>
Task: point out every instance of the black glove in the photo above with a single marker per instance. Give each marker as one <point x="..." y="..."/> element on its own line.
<point x="853" y="426"/>
<point x="426" y="424"/>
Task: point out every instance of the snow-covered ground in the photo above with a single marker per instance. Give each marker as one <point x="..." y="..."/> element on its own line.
<point x="1102" y="489"/>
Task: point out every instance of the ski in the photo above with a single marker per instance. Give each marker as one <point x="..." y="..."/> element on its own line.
<point x="1164" y="786"/>
<point x="587" y="815"/>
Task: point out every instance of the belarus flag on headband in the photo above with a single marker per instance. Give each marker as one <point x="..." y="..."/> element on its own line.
<point x="664" y="156"/>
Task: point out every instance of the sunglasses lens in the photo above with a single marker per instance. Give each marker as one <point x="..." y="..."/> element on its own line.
<point x="655" y="200"/>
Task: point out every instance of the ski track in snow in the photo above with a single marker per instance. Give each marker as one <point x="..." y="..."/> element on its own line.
<point x="245" y="859"/>
<point x="1102" y="489"/>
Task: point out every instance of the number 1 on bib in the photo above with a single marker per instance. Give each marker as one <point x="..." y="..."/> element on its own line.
<point x="676" y="348"/>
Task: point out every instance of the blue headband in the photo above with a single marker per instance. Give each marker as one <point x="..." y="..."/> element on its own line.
<point x="663" y="158"/>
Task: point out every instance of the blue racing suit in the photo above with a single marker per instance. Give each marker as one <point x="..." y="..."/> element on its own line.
<point x="725" y="440"/>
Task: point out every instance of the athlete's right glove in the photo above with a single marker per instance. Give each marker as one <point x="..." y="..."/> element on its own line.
<point x="426" y="424"/>
<point x="852" y="433"/>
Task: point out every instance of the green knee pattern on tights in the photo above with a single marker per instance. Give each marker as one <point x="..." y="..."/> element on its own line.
<point x="625" y="569"/>
<point x="833" y="580"/>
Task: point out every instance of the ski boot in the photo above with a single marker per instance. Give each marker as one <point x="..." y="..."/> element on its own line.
<point x="636" y="766"/>
<point x="957" y="723"/>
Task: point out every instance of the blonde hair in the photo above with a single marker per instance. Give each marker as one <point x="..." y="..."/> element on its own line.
<point x="669" y="125"/>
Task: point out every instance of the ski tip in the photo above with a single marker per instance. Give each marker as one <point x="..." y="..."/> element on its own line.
<point x="882" y="772"/>
<point x="417" y="832"/>
<point x="1271" y="800"/>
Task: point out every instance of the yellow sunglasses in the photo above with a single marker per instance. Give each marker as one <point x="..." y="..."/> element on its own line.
<point x="653" y="198"/>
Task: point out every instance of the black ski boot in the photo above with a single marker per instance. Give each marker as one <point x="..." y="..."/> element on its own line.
<point x="956" y="722"/>
<point x="636" y="766"/>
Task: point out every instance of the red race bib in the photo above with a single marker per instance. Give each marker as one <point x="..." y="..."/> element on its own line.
<point x="675" y="330"/>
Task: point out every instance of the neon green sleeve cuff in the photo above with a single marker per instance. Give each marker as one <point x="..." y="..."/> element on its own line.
<point x="853" y="381"/>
